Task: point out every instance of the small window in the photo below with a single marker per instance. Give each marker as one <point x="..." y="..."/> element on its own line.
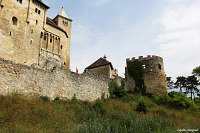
<point x="10" y="33"/>
<point x="14" y="20"/>
<point x="36" y="10"/>
<point x="51" y="40"/>
<point x="64" y="63"/>
<point x="31" y="31"/>
<point x="39" y="12"/>
<point x="45" y="38"/>
<point x="31" y="41"/>
<point x="61" y="46"/>
<point x="36" y="22"/>
<point x="159" y="66"/>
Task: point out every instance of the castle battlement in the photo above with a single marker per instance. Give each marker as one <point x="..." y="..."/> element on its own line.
<point x="148" y="57"/>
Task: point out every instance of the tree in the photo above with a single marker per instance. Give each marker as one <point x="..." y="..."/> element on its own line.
<point x="191" y="85"/>
<point x="170" y="83"/>
<point x="180" y="83"/>
<point x="196" y="71"/>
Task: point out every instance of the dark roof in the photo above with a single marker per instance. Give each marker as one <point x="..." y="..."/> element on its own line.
<point x="42" y="3"/>
<point x="100" y="62"/>
<point x="52" y="23"/>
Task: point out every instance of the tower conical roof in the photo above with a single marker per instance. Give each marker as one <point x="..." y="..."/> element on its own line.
<point x="63" y="13"/>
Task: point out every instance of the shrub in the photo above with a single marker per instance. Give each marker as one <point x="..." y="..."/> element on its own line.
<point x="99" y="106"/>
<point x="45" y="98"/>
<point x="116" y="91"/>
<point x="74" y="99"/>
<point x="142" y="107"/>
<point x="197" y="100"/>
<point x="176" y="100"/>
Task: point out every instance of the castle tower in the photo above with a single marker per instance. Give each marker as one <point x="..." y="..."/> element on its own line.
<point x="154" y="74"/>
<point x="64" y="22"/>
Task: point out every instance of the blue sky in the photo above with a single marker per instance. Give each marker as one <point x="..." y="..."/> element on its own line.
<point x="123" y="29"/>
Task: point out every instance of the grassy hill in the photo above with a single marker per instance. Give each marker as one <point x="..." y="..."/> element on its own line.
<point x="19" y="114"/>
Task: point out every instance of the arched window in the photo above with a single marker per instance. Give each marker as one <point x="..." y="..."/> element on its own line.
<point x="14" y="20"/>
<point x="61" y="46"/>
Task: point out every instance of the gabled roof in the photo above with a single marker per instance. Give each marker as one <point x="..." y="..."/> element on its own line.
<point x="63" y="13"/>
<point x="100" y="62"/>
<point x="52" y="23"/>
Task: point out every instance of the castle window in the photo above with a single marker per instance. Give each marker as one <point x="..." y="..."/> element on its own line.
<point x="159" y="66"/>
<point x="51" y="40"/>
<point x="14" y="20"/>
<point x="36" y="10"/>
<point x="31" y="31"/>
<point x="36" y="22"/>
<point x="31" y="41"/>
<point x="10" y="33"/>
<point x="39" y="12"/>
<point x="64" y="63"/>
<point x="61" y="46"/>
<point x="20" y="1"/>
<point x="45" y="38"/>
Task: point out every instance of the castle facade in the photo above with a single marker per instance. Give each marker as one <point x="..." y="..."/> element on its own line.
<point x="28" y="36"/>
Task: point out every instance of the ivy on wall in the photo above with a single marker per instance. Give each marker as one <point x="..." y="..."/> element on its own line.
<point x="136" y="71"/>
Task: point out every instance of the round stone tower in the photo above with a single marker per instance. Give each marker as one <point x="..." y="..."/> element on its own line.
<point x="154" y="75"/>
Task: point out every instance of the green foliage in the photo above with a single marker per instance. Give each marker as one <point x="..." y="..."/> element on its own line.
<point x="180" y="82"/>
<point x="116" y="91"/>
<point x="197" y="100"/>
<point x="45" y="98"/>
<point x="142" y="107"/>
<point x="170" y="83"/>
<point x="136" y="71"/>
<point x="99" y="107"/>
<point x="74" y="99"/>
<point x="176" y="100"/>
<point x="196" y="71"/>
<point x="191" y="85"/>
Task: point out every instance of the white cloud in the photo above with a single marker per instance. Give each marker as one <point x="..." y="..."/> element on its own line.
<point x="180" y="41"/>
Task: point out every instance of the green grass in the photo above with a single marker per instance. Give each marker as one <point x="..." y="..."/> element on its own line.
<point x="39" y="115"/>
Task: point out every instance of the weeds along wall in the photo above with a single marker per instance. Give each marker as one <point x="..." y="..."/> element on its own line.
<point x="57" y="82"/>
<point x="153" y="75"/>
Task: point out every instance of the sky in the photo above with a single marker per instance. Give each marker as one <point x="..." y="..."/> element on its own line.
<point x="122" y="29"/>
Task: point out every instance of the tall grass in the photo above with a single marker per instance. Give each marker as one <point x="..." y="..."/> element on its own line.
<point x="19" y="114"/>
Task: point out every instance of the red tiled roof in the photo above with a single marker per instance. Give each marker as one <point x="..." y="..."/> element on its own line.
<point x="100" y="62"/>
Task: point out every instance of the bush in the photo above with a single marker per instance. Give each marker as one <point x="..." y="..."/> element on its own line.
<point x="99" y="106"/>
<point x="45" y="98"/>
<point x="116" y="91"/>
<point x="142" y="107"/>
<point x="176" y="100"/>
<point x="74" y="99"/>
<point x="197" y="100"/>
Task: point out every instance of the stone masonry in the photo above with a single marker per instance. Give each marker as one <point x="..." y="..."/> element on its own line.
<point x="57" y="82"/>
<point x="154" y="75"/>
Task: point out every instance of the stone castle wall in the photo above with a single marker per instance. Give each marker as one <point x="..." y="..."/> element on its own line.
<point x="154" y="75"/>
<point x="31" y="38"/>
<point x="57" y="82"/>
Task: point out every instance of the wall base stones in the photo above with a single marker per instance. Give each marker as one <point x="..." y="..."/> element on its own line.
<point x="52" y="83"/>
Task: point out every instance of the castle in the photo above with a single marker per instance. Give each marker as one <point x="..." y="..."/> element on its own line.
<point x="35" y="57"/>
<point x="28" y="36"/>
<point x="154" y="74"/>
